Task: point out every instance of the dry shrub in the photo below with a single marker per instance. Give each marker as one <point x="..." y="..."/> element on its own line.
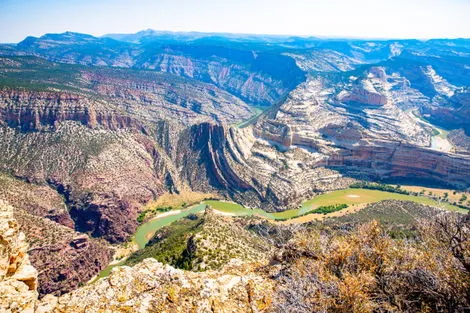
<point x="368" y="271"/>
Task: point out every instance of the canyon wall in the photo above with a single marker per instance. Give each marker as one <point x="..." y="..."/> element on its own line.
<point x="392" y="160"/>
<point x="32" y="111"/>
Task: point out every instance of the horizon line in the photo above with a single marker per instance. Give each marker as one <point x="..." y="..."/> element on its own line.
<point x="319" y="37"/>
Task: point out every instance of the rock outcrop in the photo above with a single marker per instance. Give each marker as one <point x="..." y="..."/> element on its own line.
<point x="33" y="111"/>
<point x="149" y="286"/>
<point x="18" y="278"/>
<point x="251" y="170"/>
<point x="399" y="161"/>
<point x="104" y="176"/>
<point x="153" y="287"/>
<point x="363" y="137"/>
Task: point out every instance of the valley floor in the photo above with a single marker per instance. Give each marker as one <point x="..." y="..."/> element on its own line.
<point x="356" y="199"/>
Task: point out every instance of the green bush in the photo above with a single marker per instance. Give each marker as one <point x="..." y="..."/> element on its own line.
<point x="141" y="217"/>
<point x="329" y="208"/>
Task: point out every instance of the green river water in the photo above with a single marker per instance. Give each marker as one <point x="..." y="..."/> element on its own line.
<point x="347" y="196"/>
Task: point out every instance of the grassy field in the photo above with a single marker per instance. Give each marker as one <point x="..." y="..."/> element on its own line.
<point x="351" y="197"/>
<point x="359" y="196"/>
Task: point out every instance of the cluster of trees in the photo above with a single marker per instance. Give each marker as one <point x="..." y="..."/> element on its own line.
<point x="382" y="187"/>
<point x="325" y="209"/>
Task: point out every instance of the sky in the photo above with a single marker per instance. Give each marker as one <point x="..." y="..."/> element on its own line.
<point x="419" y="19"/>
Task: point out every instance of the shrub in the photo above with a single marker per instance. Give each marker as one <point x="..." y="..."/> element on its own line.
<point x="365" y="270"/>
<point x="141" y="217"/>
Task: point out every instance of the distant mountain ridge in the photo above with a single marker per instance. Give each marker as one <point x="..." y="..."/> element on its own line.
<point x="239" y="64"/>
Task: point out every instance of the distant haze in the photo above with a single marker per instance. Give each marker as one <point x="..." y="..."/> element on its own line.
<point x="330" y="18"/>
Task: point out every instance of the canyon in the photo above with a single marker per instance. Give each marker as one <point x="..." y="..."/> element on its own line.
<point x="94" y="128"/>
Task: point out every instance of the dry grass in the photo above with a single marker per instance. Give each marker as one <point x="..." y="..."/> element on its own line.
<point x="367" y="271"/>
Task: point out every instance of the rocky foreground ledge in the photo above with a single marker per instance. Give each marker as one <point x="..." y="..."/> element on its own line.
<point x="18" y="278"/>
<point x="151" y="286"/>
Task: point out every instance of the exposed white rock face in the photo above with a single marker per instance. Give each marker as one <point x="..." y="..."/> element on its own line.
<point x="327" y="132"/>
<point x="366" y="106"/>
<point x="396" y="49"/>
<point x="324" y="60"/>
<point x="18" y="279"/>
<point x="441" y="85"/>
<point x="358" y="125"/>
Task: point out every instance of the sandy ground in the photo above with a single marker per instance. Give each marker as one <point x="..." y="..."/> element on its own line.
<point x="441" y="144"/>
<point x="353" y="196"/>
<point x="223" y="213"/>
<point x="165" y="214"/>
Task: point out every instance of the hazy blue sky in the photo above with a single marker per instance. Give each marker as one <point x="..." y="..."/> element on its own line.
<point x="346" y="18"/>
